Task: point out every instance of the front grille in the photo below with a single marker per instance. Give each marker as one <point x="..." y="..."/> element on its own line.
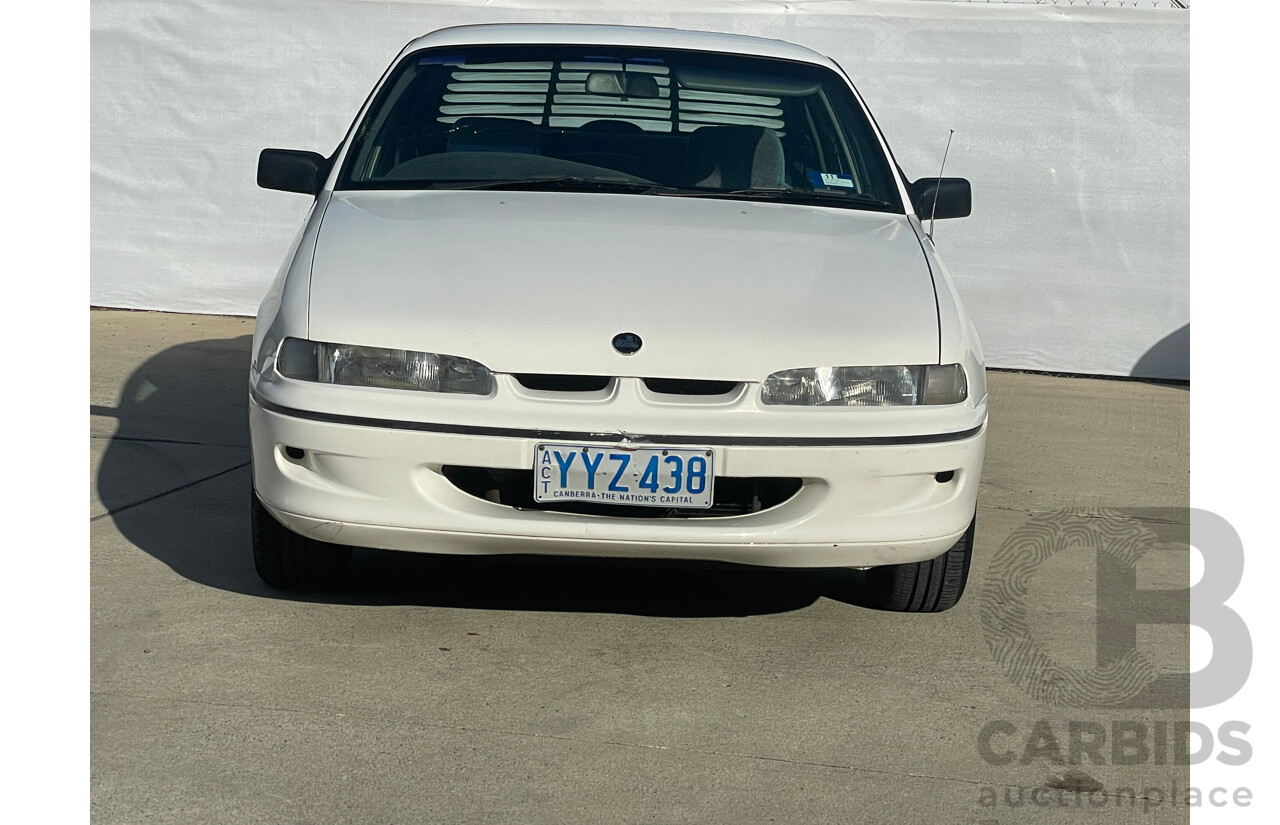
<point x="562" y="383"/>
<point x="514" y="488"/>
<point x="549" y="382"/>
<point x="682" y="386"/>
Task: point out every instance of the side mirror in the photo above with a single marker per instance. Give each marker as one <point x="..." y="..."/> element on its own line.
<point x="954" y="198"/>
<point x="292" y="171"/>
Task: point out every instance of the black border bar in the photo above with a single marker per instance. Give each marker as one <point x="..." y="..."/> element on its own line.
<point x="613" y="438"/>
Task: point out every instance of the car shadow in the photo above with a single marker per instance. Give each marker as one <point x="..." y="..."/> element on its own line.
<point x="1168" y="359"/>
<point x="182" y="428"/>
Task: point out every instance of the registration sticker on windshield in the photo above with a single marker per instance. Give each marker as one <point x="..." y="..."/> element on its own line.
<point x="645" y="477"/>
<point x="827" y="179"/>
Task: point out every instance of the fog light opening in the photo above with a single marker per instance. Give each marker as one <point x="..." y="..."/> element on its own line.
<point x="944" y="476"/>
<point x="295" y="453"/>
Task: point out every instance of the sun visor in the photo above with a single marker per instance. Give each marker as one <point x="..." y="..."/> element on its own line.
<point x="707" y="80"/>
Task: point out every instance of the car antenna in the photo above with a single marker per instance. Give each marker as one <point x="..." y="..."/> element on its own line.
<point x="938" y="186"/>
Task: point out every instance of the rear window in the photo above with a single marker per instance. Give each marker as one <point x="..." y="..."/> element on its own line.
<point x="692" y="122"/>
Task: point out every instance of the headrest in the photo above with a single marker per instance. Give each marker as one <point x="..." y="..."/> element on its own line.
<point x="735" y="157"/>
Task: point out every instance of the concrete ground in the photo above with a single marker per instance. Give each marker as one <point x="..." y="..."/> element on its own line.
<point x="439" y="690"/>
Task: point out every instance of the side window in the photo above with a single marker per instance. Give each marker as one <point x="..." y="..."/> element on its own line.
<point x="833" y="155"/>
<point x="799" y="142"/>
<point x="404" y="131"/>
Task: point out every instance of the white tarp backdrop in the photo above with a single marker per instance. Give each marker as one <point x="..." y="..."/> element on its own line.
<point x="1071" y="120"/>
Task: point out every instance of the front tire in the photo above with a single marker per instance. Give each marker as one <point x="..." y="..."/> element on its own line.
<point x="292" y="562"/>
<point x="924" y="586"/>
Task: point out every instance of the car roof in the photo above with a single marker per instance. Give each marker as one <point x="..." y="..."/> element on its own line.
<point x="596" y="35"/>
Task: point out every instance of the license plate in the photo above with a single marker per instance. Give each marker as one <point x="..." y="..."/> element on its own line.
<point x="645" y="477"/>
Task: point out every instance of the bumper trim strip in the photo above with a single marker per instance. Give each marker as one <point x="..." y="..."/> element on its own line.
<point x="614" y="437"/>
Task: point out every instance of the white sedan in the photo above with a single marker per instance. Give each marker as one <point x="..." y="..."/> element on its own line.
<point x="620" y="292"/>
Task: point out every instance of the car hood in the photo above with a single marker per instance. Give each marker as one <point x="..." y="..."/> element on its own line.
<point x="542" y="282"/>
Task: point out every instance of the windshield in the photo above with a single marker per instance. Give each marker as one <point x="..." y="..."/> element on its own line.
<point x="645" y="121"/>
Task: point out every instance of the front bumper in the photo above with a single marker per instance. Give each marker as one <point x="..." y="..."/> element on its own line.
<point x="375" y="484"/>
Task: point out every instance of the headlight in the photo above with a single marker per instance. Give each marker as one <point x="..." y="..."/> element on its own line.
<point x="395" y="369"/>
<point x="866" y="386"/>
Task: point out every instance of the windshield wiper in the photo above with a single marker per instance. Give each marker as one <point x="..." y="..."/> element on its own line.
<point x="824" y="197"/>
<point x="577" y="183"/>
<point x="561" y="183"/>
